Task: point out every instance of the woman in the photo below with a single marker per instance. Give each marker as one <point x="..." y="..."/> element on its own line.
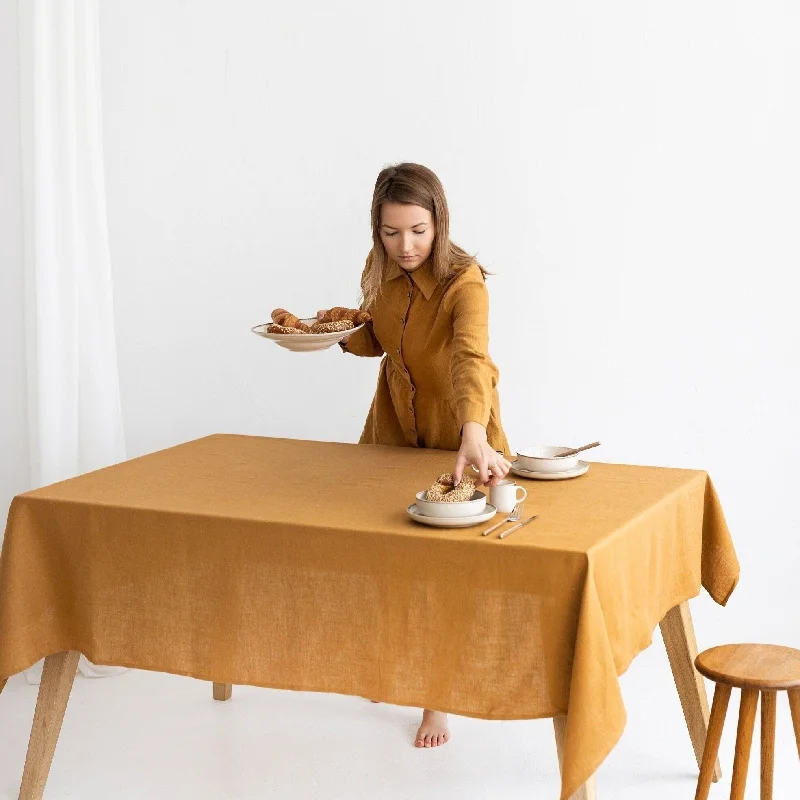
<point x="430" y="315"/>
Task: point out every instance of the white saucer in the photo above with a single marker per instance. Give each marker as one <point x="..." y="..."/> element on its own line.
<point x="451" y="522"/>
<point x="582" y="467"/>
<point x="303" y="342"/>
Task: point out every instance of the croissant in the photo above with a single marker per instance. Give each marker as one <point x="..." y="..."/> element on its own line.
<point x="280" y="316"/>
<point x="338" y="313"/>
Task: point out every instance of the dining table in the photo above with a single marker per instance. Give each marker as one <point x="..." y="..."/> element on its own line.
<point x="293" y="564"/>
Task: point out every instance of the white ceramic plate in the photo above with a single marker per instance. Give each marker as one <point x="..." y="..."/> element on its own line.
<point x="303" y="342"/>
<point x="451" y="522"/>
<point x="582" y="467"/>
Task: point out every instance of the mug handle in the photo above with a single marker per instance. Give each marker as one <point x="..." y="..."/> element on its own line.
<point x="524" y="494"/>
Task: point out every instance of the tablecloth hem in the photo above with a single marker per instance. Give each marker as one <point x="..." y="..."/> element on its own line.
<point x="568" y="791"/>
<point x="117" y="662"/>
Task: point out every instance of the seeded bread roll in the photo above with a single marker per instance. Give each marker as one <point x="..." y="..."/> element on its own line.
<point x="445" y="491"/>
<point x="338" y="313"/>
<point x="284" y="330"/>
<point x="332" y="327"/>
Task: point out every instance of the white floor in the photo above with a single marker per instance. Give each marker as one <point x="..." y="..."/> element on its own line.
<point x="151" y="735"/>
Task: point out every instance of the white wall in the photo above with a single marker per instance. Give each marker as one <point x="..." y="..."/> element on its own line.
<point x="629" y="170"/>
<point x="14" y="458"/>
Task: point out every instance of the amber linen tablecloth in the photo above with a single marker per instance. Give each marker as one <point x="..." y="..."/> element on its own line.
<point x="292" y="564"/>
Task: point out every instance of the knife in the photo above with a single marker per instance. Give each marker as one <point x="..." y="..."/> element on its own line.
<point x="517" y="527"/>
<point x="498" y="525"/>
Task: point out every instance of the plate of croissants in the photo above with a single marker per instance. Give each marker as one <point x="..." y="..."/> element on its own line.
<point x="306" y="335"/>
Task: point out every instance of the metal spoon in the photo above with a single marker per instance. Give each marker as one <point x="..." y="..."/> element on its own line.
<point x="577" y="450"/>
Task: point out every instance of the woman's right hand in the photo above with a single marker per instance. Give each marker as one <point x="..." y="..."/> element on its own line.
<point x="321" y="314"/>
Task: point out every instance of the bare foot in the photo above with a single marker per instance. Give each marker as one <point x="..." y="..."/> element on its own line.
<point x="433" y="731"/>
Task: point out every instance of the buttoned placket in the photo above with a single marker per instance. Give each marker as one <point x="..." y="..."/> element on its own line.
<point x="404" y="320"/>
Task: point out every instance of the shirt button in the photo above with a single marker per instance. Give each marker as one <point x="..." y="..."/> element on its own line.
<point x="398" y="349"/>
<point x="409" y="294"/>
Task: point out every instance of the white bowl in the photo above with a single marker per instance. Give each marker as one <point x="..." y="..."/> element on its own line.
<point x="543" y="458"/>
<point x="465" y="508"/>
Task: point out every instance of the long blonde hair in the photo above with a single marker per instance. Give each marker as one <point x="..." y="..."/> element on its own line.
<point x="415" y="185"/>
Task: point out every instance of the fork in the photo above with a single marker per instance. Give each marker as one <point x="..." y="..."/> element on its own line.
<point x="514" y="516"/>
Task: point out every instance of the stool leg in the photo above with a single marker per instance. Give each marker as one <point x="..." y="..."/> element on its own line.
<point x="767" y="742"/>
<point x="794" y="705"/>
<point x="722" y="694"/>
<point x="744" y="740"/>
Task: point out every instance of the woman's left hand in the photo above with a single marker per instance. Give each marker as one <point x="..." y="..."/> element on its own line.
<point x="475" y="450"/>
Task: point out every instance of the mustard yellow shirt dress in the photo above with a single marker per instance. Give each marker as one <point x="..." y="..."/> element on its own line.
<point x="436" y="373"/>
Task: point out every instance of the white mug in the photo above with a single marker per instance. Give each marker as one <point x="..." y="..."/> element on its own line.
<point x="505" y="495"/>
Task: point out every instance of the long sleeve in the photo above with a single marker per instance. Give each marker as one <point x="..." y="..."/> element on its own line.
<point x="474" y="375"/>
<point x="363" y="343"/>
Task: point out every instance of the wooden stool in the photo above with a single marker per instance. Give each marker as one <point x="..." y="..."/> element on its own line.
<point x="753" y="668"/>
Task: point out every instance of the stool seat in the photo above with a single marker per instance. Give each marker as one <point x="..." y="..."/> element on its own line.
<point x="756" y="669"/>
<point x="769" y="667"/>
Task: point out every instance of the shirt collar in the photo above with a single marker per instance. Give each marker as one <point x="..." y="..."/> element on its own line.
<point x="422" y="277"/>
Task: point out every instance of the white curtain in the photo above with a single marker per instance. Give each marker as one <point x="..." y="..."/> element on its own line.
<point x="73" y="382"/>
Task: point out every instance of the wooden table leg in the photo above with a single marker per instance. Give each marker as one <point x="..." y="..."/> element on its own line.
<point x="589" y="789"/>
<point x="57" y="678"/>
<point x="679" y="639"/>
<point x="223" y="691"/>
